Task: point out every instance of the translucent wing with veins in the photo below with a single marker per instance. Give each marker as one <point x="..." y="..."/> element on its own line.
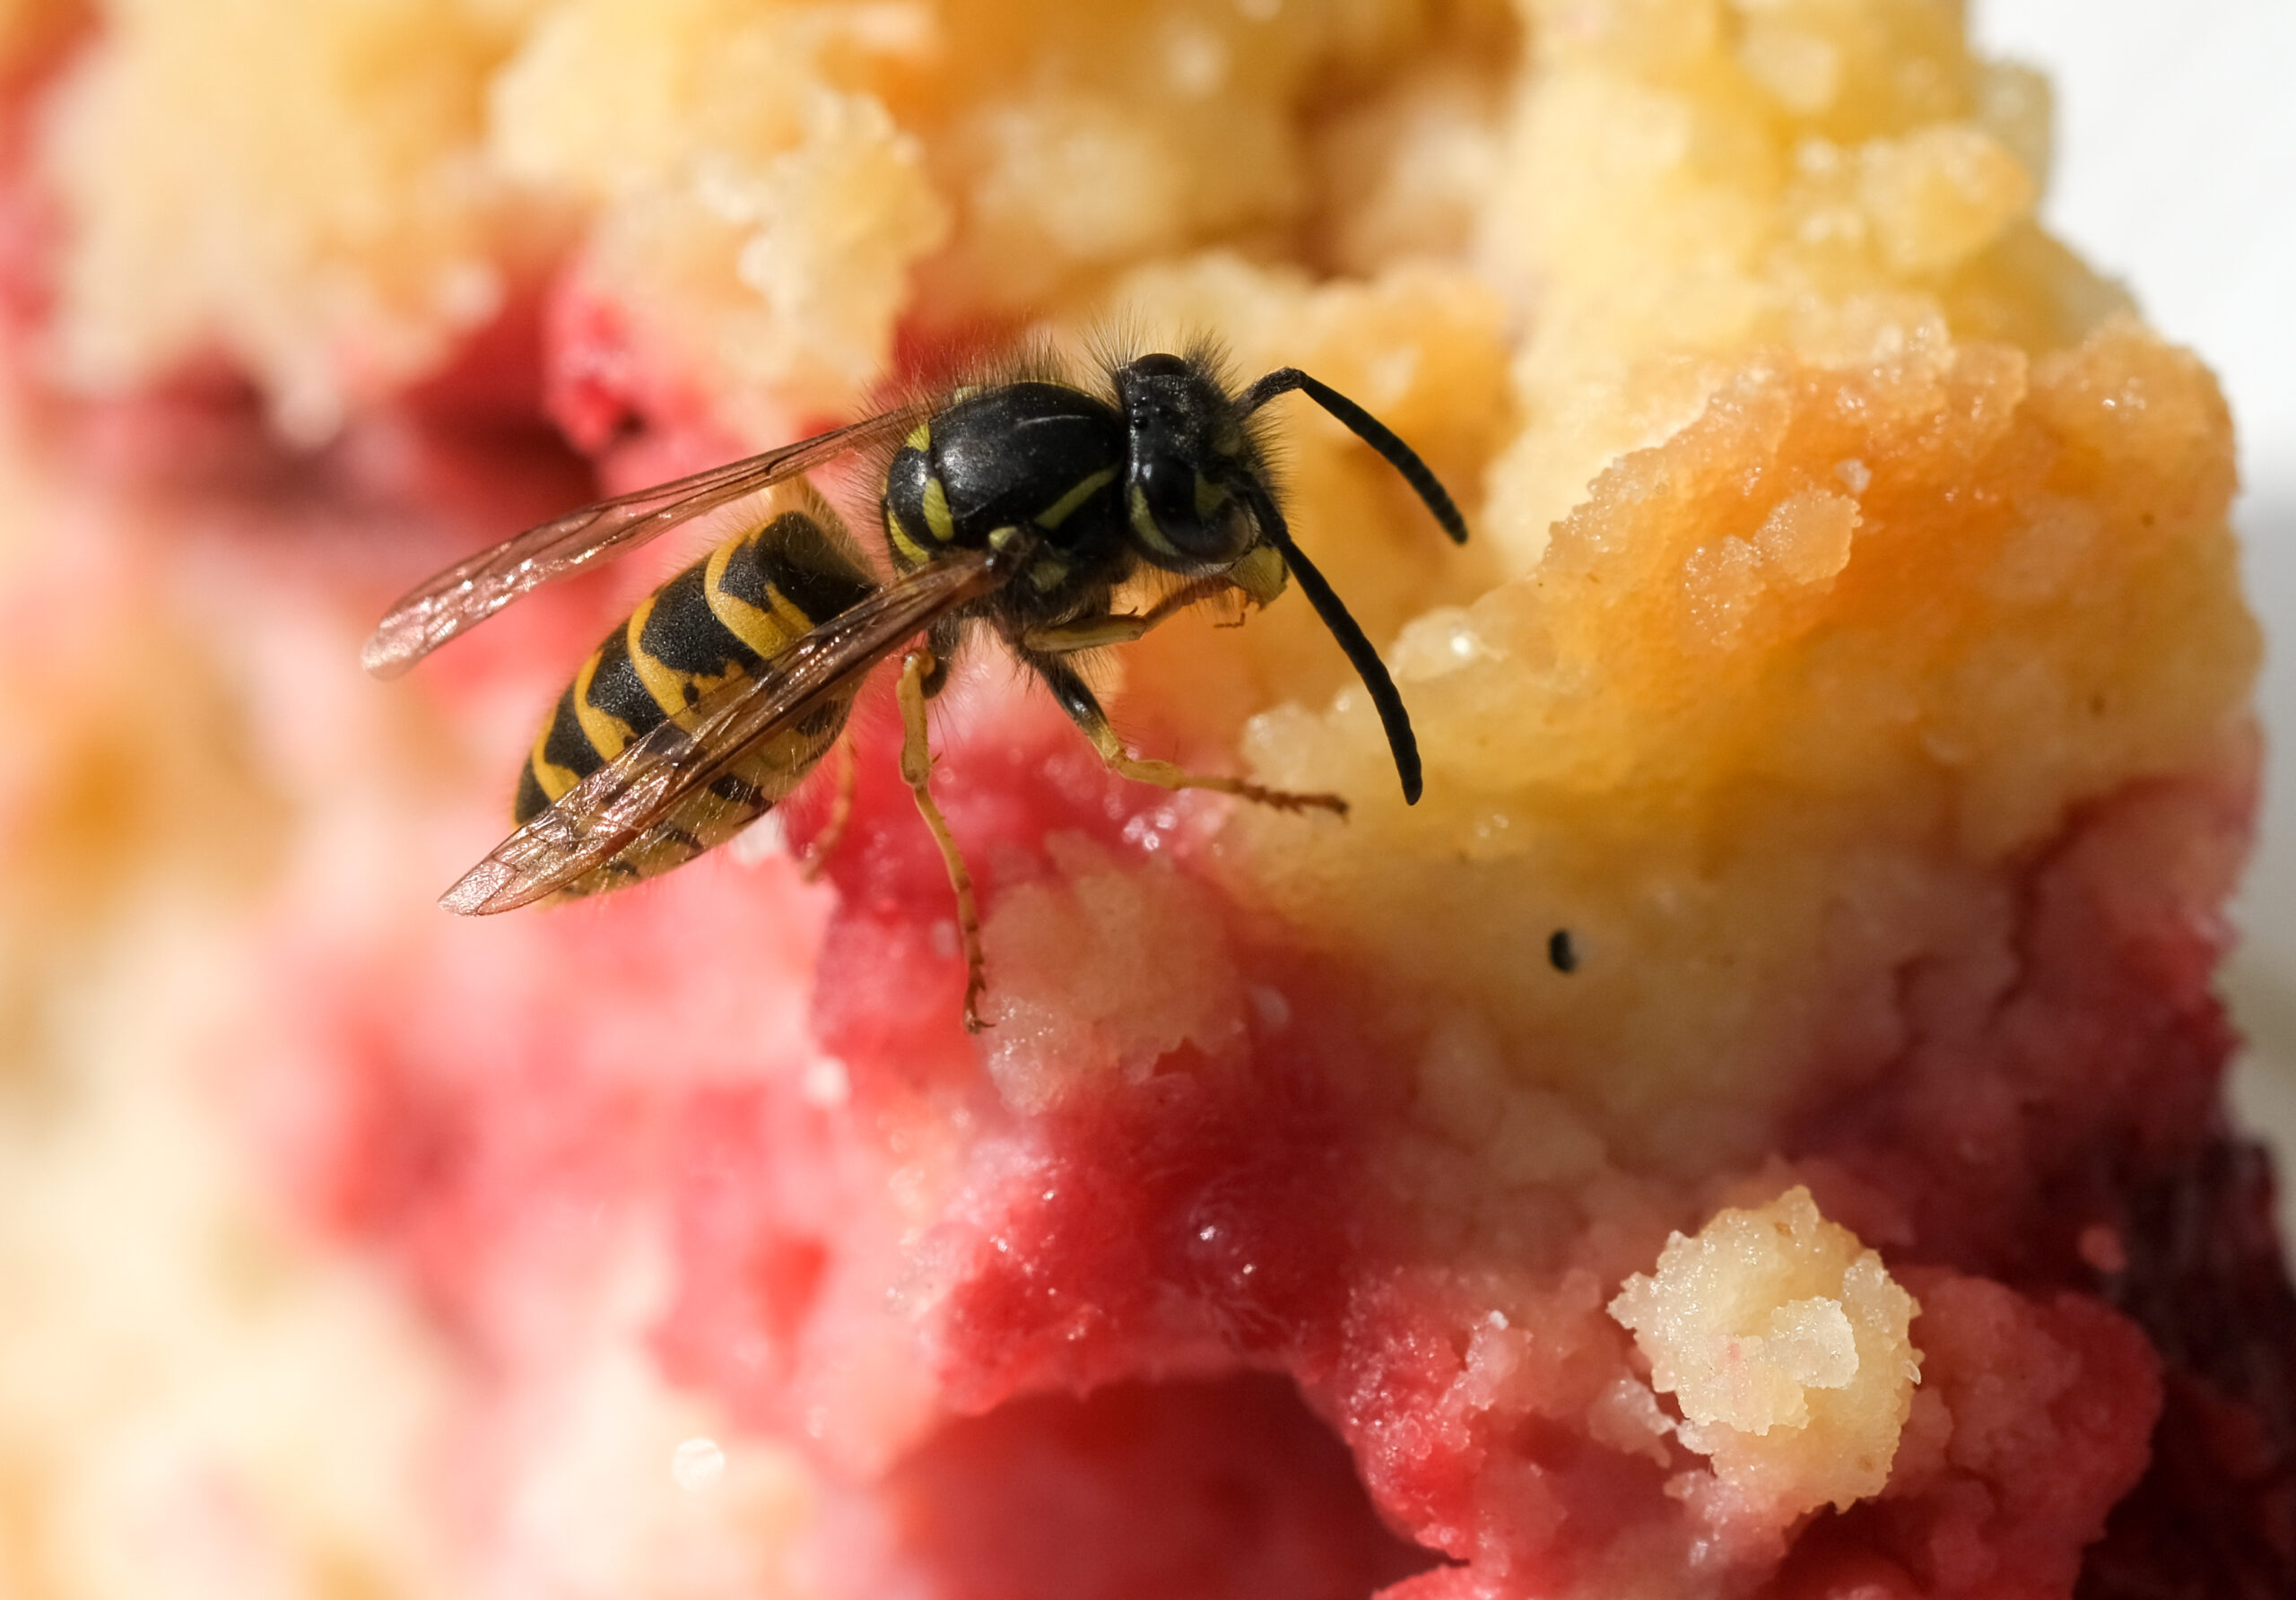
<point x="470" y="592"/>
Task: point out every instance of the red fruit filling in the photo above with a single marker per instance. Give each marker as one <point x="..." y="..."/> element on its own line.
<point x="872" y="1248"/>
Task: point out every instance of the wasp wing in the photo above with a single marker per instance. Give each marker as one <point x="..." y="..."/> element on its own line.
<point x="604" y="813"/>
<point x="469" y="592"/>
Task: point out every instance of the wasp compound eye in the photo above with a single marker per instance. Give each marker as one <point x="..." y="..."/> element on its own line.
<point x="1196" y="516"/>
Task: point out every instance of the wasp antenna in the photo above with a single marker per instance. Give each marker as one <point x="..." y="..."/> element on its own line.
<point x="1371" y="431"/>
<point x="1344" y="627"/>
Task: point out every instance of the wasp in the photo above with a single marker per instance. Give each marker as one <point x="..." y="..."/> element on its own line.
<point x="1031" y="509"/>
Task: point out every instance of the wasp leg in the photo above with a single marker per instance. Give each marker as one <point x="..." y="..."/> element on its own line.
<point x="916" y="668"/>
<point x="941" y="641"/>
<point x="1121" y="627"/>
<point x="840" y="813"/>
<point x="1083" y="707"/>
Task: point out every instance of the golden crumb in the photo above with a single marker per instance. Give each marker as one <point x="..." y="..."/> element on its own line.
<point x="1786" y="1344"/>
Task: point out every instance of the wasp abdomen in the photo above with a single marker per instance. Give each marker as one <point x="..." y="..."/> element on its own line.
<point x="743" y="604"/>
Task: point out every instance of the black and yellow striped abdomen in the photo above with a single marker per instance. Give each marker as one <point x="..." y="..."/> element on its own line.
<point x="746" y="602"/>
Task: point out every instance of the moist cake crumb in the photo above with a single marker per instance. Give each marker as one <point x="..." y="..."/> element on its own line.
<point x="1754" y="1129"/>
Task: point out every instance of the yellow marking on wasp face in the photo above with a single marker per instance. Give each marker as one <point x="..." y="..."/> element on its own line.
<point x="1144" y="524"/>
<point x="1063" y="508"/>
<point x="762" y="631"/>
<point x="554" y="780"/>
<point x="920" y="438"/>
<point x="1209" y="497"/>
<point x="605" y="733"/>
<point x="1047" y="572"/>
<point x="1002" y="538"/>
<point x="1260" y="573"/>
<point x="667" y="684"/>
<point x="937" y="520"/>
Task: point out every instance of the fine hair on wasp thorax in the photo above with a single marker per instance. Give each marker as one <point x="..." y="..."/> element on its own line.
<point x="1024" y="505"/>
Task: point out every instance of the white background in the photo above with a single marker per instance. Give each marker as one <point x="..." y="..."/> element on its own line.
<point x="2176" y="172"/>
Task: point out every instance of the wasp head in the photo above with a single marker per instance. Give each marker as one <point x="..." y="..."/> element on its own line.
<point x="1187" y="458"/>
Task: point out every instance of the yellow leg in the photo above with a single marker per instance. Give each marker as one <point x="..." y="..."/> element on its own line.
<point x="1165" y="775"/>
<point x="917" y="770"/>
<point x="840" y="813"/>
<point x="1121" y="627"/>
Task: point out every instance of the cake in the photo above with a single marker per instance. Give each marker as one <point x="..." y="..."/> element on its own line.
<point x="1753" y="1128"/>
